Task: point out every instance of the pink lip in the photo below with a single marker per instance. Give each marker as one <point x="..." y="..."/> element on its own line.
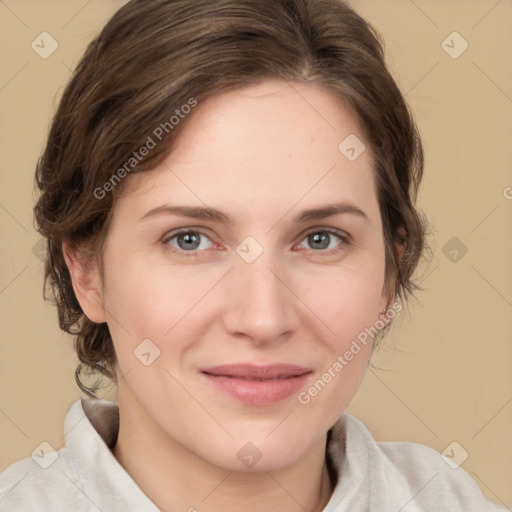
<point x="258" y="385"/>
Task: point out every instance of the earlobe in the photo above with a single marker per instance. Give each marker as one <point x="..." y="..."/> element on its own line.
<point x="86" y="281"/>
<point x="384" y="318"/>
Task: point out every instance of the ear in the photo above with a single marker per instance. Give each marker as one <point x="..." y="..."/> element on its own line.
<point x="401" y="243"/>
<point x="86" y="280"/>
<point x="387" y="296"/>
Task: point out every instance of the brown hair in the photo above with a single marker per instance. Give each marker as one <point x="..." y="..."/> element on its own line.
<point x="153" y="58"/>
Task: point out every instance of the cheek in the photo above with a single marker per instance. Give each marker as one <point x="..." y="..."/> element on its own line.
<point x="151" y="301"/>
<point x="348" y="304"/>
<point x="345" y="299"/>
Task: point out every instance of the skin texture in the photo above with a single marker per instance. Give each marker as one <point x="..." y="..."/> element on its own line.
<point x="261" y="155"/>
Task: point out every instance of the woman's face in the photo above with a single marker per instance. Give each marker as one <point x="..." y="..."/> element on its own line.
<point x="239" y="272"/>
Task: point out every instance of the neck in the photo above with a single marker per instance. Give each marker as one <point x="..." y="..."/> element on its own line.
<point x="174" y="478"/>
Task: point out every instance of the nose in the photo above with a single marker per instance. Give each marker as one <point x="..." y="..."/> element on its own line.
<point x="259" y="304"/>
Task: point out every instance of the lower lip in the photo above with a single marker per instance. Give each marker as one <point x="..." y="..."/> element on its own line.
<point x="258" y="392"/>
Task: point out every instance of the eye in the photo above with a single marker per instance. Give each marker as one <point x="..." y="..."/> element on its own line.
<point x="189" y="241"/>
<point x="324" y="240"/>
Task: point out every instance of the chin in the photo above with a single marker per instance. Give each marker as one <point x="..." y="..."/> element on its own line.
<point x="246" y="456"/>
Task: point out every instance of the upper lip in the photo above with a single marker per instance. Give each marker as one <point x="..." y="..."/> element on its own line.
<point x="252" y="371"/>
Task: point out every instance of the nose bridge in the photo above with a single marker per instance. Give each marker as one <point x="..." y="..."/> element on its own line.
<point x="260" y="305"/>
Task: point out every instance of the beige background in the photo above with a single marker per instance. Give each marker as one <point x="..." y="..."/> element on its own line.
<point x="447" y="372"/>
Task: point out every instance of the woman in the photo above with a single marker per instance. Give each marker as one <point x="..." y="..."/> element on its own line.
<point x="227" y="192"/>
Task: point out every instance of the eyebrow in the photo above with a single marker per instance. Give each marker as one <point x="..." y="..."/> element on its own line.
<point x="212" y="214"/>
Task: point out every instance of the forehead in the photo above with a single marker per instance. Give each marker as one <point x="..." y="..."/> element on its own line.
<point x="270" y="145"/>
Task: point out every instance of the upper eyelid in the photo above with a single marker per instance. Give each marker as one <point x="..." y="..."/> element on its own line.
<point x="335" y="231"/>
<point x="346" y="238"/>
<point x="174" y="232"/>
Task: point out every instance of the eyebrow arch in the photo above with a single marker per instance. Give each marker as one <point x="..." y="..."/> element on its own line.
<point x="212" y="214"/>
<point x="195" y="212"/>
<point x="329" y="211"/>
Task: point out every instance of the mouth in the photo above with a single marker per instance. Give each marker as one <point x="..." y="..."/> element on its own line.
<point x="258" y="385"/>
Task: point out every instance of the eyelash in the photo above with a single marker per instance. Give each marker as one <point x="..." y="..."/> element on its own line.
<point x="345" y="238"/>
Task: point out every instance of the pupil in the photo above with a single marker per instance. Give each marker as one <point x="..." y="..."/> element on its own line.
<point x="190" y="241"/>
<point x="320" y="240"/>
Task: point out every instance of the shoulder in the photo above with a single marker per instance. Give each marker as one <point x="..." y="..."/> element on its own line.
<point x="50" y="479"/>
<point x="418" y="474"/>
<point x="448" y="484"/>
<point x="40" y="483"/>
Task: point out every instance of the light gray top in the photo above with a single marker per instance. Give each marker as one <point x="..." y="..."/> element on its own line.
<point x="372" y="476"/>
